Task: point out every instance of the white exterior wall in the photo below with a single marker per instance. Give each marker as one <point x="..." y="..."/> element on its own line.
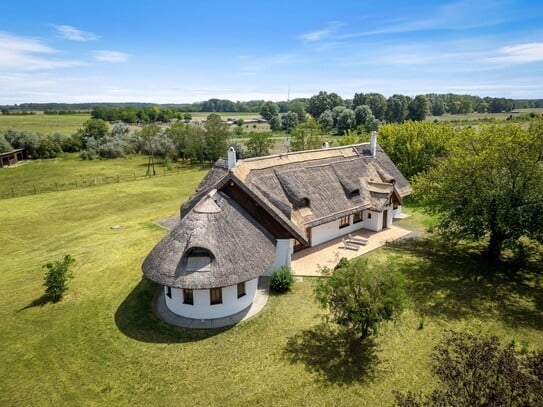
<point x="375" y="223"/>
<point x="283" y="251"/>
<point x="397" y="211"/>
<point x="331" y="230"/>
<point x="202" y="309"/>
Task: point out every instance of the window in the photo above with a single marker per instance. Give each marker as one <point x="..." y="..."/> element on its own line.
<point x="344" y="221"/>
<point x="215" y="295"/>
<point x="198" y="259"/>
<point x="241" y="289"/>
<point x="169" y="292"/>
<point x="369" y="215"/>
<point x="188" y="297"/>
<point x="358" y="217"/>
<point x="354" y="193"/>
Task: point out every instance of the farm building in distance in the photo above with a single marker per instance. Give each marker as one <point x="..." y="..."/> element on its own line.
<point x="248" y="217"/>
<point x="12" y="157"/>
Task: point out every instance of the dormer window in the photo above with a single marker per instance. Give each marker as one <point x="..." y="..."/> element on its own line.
<point x="354" y="193"/>
<point x="199" y="259"/>
<point x="302" y="203"/>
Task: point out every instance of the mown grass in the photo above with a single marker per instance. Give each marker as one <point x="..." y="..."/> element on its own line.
<point x="102" y="344"/>
<point x="44" y="124"/>
<point x="68" y="171"/>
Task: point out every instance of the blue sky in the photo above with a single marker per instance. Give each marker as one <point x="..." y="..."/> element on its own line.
<point x="175" y="52"/>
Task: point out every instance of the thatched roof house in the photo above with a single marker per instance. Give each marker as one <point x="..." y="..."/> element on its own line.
<point x="247" y="217"/>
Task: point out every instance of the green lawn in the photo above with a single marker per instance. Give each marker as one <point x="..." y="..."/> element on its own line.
<point x="102" y="345"/>
<point x="44" y="124"/>
<point x="69" y="172"/>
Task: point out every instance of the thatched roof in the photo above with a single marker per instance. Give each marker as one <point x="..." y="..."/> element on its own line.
<point x="216" y="244"/>
<point x="217" y="173"/>
<point x="310" y="188"/>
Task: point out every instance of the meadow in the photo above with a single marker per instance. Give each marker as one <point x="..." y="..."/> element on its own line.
<point x="103" y="345"/>
<point x="68" y="171"/>
<point x="44" y="124"/>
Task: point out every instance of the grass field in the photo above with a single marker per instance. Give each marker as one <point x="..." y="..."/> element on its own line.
<point x="44" y="124"/>
<point x="70" y="172"/>
<point x="102" y="345"/>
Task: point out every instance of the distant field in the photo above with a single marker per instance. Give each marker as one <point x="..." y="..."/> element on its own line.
<point x="483" y="116"/>
<point x="70" y="172"/>
<point x="45" y="124"/>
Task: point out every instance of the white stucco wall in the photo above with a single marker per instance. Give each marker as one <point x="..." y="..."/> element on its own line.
<point x="283" y="251"/>
<point x="202" y="309"/>
<point x="397" y="211"/>
<point x="374" y="223"/>
<point x="328" y="231"/>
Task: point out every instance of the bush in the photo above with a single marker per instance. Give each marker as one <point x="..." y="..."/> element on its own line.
<point x="86" y="155"/>
<point x="281" y="280"/>
<point x="47" y="149"/>
<point x="57" y="276"/>
<point x="111" y="150"/>
<point x="4" y="145"/>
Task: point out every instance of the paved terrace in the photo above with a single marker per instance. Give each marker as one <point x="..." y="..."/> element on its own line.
<point x="308" y="261"/>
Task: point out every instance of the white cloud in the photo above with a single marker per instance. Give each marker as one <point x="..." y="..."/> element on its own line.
<point x="320" y="34"/>
<point x="111" y="56"/>
<point x="74" y="34"/>
<point x="520" y="53"/>
<point x="23" y="54"/>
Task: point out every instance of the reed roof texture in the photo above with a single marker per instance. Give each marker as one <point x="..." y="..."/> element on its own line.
<point x="216" y="244"/>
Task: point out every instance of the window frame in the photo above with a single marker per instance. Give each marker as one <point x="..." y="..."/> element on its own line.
<point x="358" y="217"/>
<point x="168" y="292"/>
<point x="188" y="296"/>
<point x="242" y="289"/>
<point x="345" y="221"/>
<point x="215" y="296"/>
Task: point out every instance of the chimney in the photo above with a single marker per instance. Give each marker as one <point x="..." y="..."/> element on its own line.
<point x="373" y="143"/>
<point x="231" y="158"/>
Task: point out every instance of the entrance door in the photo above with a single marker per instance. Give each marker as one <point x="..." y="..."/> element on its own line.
<point x="385" y="219"/>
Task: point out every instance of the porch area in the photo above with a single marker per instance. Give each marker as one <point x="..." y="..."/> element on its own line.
<point x="308" y="261"/>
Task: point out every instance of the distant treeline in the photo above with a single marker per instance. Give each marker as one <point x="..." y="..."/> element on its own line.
<point x="225" y="105"/>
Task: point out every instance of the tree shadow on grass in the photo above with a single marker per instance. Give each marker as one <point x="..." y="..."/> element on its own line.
<point x="136" y="318"/>
<point x="40" y="302"/>
<point x="456" y="281"/>
<point x="335" y="356"/>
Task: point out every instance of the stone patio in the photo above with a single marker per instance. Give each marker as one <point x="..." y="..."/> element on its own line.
<point x="306" y="263"/>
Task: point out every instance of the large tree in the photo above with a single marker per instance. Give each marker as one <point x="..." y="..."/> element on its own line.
<point x="360" y="297"/>
<point x="307" y="136"/>
<point x="216" y="137"/>
<point x="323" y="101"/>
<point x="490" y="185"/>
<point x="397" y="108"/>
<point x="376" y="102"/>
<point x="259" y="144"/>
<point x="268" y="110"/>
<point x="418" y="108"/>
<point x="415" y="146"/>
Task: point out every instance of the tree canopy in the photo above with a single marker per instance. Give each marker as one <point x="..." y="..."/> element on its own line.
<point x="360" y="297"/>
<point x="489" y="185"/>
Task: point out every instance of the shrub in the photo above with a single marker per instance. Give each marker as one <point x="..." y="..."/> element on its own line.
<point x="111" y="150"/>
<point x="47" y="148"/>
<point x="4" y="145"/>
<point x="57" y="277"/>
<point x="86" y="155"/>
<point x="281" y="280"/>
